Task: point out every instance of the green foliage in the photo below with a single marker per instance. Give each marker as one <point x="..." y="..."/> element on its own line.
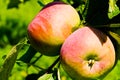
<point x="51" y="76"/>
<point x="24" y="63"/>
<point x="10" y="60"/>
<point x="46" y="77"/>
<point x="113" y="9"/>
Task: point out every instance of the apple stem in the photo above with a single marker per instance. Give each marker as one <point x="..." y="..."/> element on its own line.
<point x="54" y="63"/>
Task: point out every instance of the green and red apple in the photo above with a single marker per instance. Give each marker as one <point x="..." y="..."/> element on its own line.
<point x="52" y="25"/>
<point x="87" y="54"/>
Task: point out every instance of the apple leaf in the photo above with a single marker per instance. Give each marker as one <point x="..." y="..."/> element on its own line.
<point x="46" y="77"/>
<point x="28" y="55"/>
<point x="83" y="8"/>
<point x="44" y="2"/>
<point x="84" y="12"/>
<point x="115" y="36"/>
<point x="55" y="75"/>
<point x="113" y="9"/>
<point x="10" y="60"/>
<point x="113" y="25"/>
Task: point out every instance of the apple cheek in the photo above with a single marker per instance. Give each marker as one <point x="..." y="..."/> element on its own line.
<point x="66" y="31"/>
<point x="96" y="68"/>
<point x="40" y="28"/>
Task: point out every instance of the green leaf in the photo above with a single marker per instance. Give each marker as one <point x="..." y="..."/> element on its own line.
<point x="44" y="2"/>
<point x="115" y="36"/>
<point x="9" y="62"/>
<point x="115" y="25"/>
<point x="56" y="74"/>
<point x="83" y="8"/>
<point x="113" y="9"/>
<point x="28" y="55"/>
<point x="85" y="11"/>
<point x="46" y="77"/>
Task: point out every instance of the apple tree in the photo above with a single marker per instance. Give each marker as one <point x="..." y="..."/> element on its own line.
<point x="59" y="39"/>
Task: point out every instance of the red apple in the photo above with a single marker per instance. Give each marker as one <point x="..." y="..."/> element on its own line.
<point x="53" y="24"/>
<point x="87" y="54"/>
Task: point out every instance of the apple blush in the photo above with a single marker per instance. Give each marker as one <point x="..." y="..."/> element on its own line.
<point x="52" y="25"/>
<point x="87" y="54"/>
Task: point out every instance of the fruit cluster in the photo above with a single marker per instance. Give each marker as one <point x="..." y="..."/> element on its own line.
<point x="85" y="52"/>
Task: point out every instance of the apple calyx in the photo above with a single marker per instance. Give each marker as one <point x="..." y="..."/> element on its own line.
<point x="90" y="63"/>
<point x="91" y="59"/>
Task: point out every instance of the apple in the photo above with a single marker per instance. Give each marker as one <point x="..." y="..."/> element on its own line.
<point x="87" y="54"/>
<point x="52" y="25"/>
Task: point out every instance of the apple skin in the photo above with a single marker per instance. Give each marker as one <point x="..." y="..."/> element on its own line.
<point x="53" y="24"/>
<point x="87" y="54"/>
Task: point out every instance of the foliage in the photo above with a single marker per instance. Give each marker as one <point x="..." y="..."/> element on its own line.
<point x="24" y="63"/>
